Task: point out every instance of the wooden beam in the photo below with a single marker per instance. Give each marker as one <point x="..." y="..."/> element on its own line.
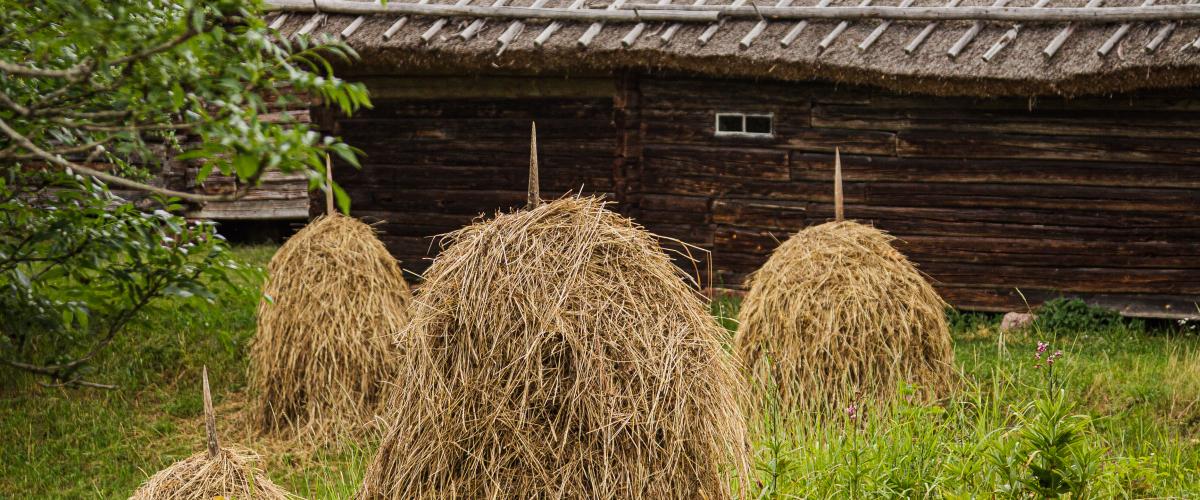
<point x="554" y="26"/>
<point x="712" y="28"/>
<point x="594" y="29"/>
<point x="798" y="28"/>
<point x="1066" y="32"/>
<point x="428" y="35"/>
<point x="631" y="37"/>
<point x="396" y="26"/>
<point x="354" y="25"/>
<point x="883" y="26"/>
<point x="1118" y="35"/>
<point x="758" y="28"/>
<point x="711" y="13"/>
<point x="476" y="25"/>
<point x="971" y="33"/>
<point x="1009" y="36"/>
<point x="671" y="30"/>
<point x="514" y="29"/>
<point x="916" y="42"/>
<point x="837" y="30"/>
<point x="312" y="24"/>
<point x="278" y="22"/>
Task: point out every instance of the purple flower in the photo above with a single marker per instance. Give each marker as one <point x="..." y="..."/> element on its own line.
<point x="852" y="410"/>
<point x="1042" y="346"/>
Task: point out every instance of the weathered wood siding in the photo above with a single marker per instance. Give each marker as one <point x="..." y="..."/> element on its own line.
<point x="1097" y="197"/>
<point x="434" y="164"/>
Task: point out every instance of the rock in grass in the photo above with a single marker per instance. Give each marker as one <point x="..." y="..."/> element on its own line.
<point x="557" y="352"/>
<point x="837" y="312"/>
<point x="324" y="347"/>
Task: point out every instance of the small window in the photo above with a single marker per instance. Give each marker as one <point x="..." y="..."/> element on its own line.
<point x="745" y="125"/>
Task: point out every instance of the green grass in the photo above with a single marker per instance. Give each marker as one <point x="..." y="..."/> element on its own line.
<point x="1139" y="384"/>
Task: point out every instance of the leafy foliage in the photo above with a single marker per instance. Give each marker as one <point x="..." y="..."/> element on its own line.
<point x="97" y="79"/>
<point x="77" y="264"/>
<point x="100" y="92"/>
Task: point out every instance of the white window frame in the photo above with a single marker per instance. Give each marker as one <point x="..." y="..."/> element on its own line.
<point x="725" y="133"/>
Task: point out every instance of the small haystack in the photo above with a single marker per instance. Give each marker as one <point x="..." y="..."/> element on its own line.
<point x="837" y="311"/>
<point x="324" y="348"/>
<point x="556" y="352"/>
<point x="214" y="473"/>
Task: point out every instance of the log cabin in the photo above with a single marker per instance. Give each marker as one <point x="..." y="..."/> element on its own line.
<point x="1019" y="150"/>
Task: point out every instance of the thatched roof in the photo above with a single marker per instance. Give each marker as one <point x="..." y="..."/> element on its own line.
<point x="1020" y="68"/>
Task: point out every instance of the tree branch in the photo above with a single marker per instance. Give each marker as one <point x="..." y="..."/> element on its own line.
<point x="112" y="179"/>
<point x="19" y="70"/>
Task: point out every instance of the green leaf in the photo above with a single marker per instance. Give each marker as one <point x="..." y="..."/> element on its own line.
<point x="245" y="166"/>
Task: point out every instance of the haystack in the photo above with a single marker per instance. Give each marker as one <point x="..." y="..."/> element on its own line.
<point x="837" y="311"/>
<point x="556" y="352"/>
<point x="214" y="473"/>
<point x="324" y="349"/>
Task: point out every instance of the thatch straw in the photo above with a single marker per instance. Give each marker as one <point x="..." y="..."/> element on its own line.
<point x="324" y="345"/>
<point x="214" y="473"/>
<point x="836" y="311"/>
<point x="556" y="352"/>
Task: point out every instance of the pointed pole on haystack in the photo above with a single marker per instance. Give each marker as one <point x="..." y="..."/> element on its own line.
<point x="534" y="192"/>
<point x="838" y="211"/>
<point x="328" y="185"/>
<point x="210" y="419"/>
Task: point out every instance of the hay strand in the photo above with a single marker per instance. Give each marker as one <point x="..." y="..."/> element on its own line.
<point x="535" y="197"/>
<point x="324" y="347"/>
<point x="839" y="213"/>
<point x="210" y="417"/>
<point x="557" y="352"/>
<point x="214" y="473"/>
<point x="837" y="311"/>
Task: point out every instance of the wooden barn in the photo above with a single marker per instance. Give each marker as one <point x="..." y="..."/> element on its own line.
<point x="1019" y="151"/>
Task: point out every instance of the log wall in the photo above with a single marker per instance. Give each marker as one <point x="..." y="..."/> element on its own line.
<point x="1097" y="197"/>
<point x="434" y="164"/>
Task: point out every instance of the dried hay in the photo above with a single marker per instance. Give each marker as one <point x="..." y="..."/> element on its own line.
<point x="557" y="352"/>
<point x="838" y="315"/>
<point x="837" y="311"/>
<point x="324" y="346"/>
<point x="214" y="473"/>
<point x="201" y="477"/>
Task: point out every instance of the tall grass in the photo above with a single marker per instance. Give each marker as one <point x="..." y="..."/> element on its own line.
<point x="1135" y="384"/>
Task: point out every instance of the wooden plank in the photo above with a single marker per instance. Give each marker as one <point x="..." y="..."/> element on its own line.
<point x="816" y="167"/>
<point x="964" y="117"/>
<point x="1014" y="146"/>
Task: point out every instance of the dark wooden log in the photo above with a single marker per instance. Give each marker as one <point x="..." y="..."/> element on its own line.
<point x="812" y="167"/>
<point x="1045" y="147"/>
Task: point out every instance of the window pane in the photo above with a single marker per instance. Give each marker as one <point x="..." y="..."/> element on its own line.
<point x="758" y="124"/>
<point x="729" y="123"/>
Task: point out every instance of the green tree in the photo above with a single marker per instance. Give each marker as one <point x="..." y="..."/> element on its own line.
<point x="98" y="93"/>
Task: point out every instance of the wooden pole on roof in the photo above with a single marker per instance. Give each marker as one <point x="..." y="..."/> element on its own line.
<point x="328" y="185"/>
<point x="839" y="212"/>
<point x="534" y="191"/>
<point x="210" y="418"/>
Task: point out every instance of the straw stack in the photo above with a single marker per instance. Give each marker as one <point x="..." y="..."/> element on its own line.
<point x="335" y="298"/>
<point x="838" y="315"/>
<point x="556" y="352"/>
<point x="214" y="473"/>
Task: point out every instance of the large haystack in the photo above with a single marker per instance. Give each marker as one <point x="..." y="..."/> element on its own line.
<point x="214" y="473"/>
<point x="836" y="311"/>
<point x="556" y="352"/>
<point x="324" y="345"/>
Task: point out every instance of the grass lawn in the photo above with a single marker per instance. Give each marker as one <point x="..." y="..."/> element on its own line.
<point x="1138" y="385"/>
